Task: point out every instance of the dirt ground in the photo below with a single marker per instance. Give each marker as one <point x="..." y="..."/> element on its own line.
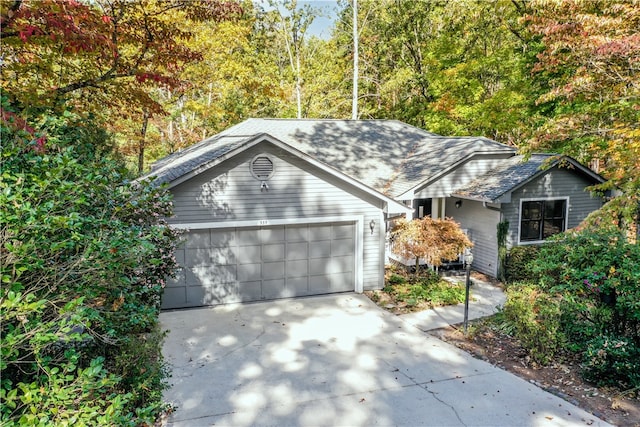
<point x="561" y="379"/>
<point x="503" y="351"/>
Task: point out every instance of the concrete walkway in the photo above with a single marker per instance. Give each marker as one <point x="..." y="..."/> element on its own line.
<point x="483" y="301"/>
<point x="338" y="360"/>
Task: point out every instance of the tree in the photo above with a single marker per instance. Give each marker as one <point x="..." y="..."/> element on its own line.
<point x="434" y="240"/>
<point x="454" y="67"/>
<point x="101" y="57"/>
<point x="291" y="25"/>
<point x="588" y="69"/>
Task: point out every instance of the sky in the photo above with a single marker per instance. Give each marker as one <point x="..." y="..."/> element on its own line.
<point x="321" y="26"/>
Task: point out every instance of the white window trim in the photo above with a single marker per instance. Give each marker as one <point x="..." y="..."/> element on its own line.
<point x="541" y="199"/>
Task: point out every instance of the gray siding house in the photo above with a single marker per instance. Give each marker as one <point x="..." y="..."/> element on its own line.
<point x="277" y="208"/>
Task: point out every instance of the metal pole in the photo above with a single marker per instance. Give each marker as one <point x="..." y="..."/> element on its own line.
<point x="466" y="297"/>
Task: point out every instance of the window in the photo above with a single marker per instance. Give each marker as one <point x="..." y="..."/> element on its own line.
<point x="540" y="219"/>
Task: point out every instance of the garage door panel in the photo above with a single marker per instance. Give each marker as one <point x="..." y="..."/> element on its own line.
<point x="319" y="284"/>
<point x="339" y="265"/>
<point x="298" y="286"/>
<point x="210" y="275"/>
<point x="344" y="230"/>
<point x="198" y="239"/>
<point x="218" y="294"/>
<point x="321" y="249"/>
<point x="179" y="255"/>
<point x="271" y="235"/>
<point x="273" y="252"/>
<point x="178" y="280"/>
<point x="223" y="238"/>
<point x="326" y="283"/>
<point x="250" y="291"/>
<point x="248" y="254"/>
<point x="247" y="236"/>
<point x="319" y="232"/>
<point x="297" y="268"/>
<point x="272" y="289"/>
<point x="297" y="234"/>
<point x="208" y="256"/>
<point x="318" y="265"/>
<point x="342" y="247"/>
<point x="249" y="272"/>
<point x="174" y="297"/>
<point x="273" y="270"/>
<point x="341" y="282"/>
<point x="297" y="251"/>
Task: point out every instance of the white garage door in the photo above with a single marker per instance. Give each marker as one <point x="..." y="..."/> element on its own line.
<point x="261" y="263"/>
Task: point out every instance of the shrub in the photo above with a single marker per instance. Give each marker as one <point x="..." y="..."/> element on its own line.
<point x="84" y="259"/>
<point x="612" y="361"/>
<point x="396" y="279"/>
<point x="534" y="318"/>
<point x="518" y="263"/>
<point x="427" y="287"/>
<point x="598" y="276"/>
<point x="586" y="298"/>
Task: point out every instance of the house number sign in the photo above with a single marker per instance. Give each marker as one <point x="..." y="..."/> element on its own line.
<point x="263" y="222"/>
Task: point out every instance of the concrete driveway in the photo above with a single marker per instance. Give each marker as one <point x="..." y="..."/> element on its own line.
<point x="338" y="360"/>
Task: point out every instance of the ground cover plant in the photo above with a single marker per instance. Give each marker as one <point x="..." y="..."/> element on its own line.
<point x="582" y="297"/>
<point x="84" y="258"/>
<point x="406" y="292"/>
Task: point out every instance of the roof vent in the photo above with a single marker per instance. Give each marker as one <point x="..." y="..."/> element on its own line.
<point x="262" y="167"/>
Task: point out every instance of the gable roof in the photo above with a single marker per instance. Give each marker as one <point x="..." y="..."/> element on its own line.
<point x="515" y="172"/>
<point x="386" y="155"/>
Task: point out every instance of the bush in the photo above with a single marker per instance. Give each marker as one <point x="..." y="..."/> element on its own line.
<point x="84" y="259"/>
<point x="598" y="276"/>
<point x="518" y="263"/>
<point x="428" y="287"/>
<point x="534" y="318"/>
<point x="586" y="297"/>
<point x="612" y="361"/>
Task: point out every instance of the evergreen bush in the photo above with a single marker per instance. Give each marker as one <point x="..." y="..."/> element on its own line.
<point x="84" y="258"/>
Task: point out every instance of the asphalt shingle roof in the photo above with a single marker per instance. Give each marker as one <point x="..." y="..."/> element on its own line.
<point x="386" y="155"/>
<point x="512" y="173"/>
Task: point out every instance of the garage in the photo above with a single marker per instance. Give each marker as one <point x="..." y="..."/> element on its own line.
<point x="242" y="264"/>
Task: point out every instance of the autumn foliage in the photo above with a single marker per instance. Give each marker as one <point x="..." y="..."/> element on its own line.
<point x="433" y="240"/>
<point x="99" y="53"/>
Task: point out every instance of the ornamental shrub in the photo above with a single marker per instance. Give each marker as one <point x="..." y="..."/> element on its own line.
<point x="534" y="318"/>
<point x="84" y="257"/>
<point x="612" y="361"/>
<point x="518" y="263"/>
<point x="586" y="297"/>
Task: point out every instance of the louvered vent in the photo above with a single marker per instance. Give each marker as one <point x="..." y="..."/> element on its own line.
<point x="262" y="167"/>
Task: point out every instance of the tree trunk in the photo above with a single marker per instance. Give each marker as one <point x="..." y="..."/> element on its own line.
<point x="354" y="101"/>
<point x="142" y="142"/>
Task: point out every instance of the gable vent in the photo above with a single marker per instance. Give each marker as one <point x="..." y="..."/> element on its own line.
<point x="262" y="167"/>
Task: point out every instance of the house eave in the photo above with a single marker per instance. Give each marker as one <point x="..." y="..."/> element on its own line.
<point x="409" y="194"/>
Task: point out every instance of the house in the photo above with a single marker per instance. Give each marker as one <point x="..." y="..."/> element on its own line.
<point x="276" y="208"/>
